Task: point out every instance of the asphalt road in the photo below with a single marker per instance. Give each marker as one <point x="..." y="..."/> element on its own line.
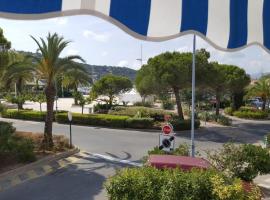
<point x="84" y="180"/>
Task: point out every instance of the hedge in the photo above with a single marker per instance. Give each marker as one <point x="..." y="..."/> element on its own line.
<point x="137" y="111"/>
<point x="251" y="114"/>
<point x="140" y="123"/>
<point x="152" y="184"/>
<point x="24" y="115"/>
<point x="183" y="125"/>
<point x="94" y="120"/>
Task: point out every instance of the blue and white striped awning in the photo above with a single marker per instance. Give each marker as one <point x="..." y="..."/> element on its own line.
<point x="227" y="24"/>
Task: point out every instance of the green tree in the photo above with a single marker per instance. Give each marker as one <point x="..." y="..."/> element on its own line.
<point x="171" y="72"/>
<point x="75" y="78"/>
<point x="81" y="101"/>
<point x="40" y="98"/>
<point x="261" y="89"/>
<point x="111" y="86"/>
<point x="217" y="83"/>
<point x="18" y="72"/>
<point x="236" y="80"/>
<point x="5" y="45"/>
<point x="49" y="66"/>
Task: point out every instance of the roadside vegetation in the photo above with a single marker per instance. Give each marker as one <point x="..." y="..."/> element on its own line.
<point x="230" y="177"/>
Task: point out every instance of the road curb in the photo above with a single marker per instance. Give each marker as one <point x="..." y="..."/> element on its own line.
<point x="37" y="169"/>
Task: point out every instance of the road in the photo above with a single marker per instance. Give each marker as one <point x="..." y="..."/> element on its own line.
<point x="84" y="179"/>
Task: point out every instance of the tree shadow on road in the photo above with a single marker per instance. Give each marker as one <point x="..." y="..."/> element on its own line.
<point x="238" y="133"/>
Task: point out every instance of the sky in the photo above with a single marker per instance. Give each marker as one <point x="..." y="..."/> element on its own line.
<point x="101" y="43"/>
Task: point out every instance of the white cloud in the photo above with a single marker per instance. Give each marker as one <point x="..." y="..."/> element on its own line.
<point x="122" y="63"/>
<point x="72" y="52"/>
<point x="183" y="49"/>
<point x="104" y="53"/>
<point x="100" y="37"/>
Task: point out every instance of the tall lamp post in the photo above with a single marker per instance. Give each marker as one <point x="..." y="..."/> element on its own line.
<point x="70" y="130"/>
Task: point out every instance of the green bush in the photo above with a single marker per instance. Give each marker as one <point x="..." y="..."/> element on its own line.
<point x="24" y="149"/>
<point x="182" y="125"/>
<point x="140" y="123"/>
<point x="6" y="133"/>
<point x="181" y="150"/>
<point x="10" y="144"/>
<point x="2" y="108"/>
<point x="228" y="111"/>
<point x="24" y="115"/>
<point x="168" y="105"/>
<point x="212" y="117"/>
<point x="247" y="109"/>
<point x="152" y="184"/>
<point x="143" y="104"/>
<point x="94" y="120"/>
<point x="251" y="114"/>
<point x="241" y="161"/>
<point x="102" y="108"/>
<point x="157" y="115"/>
<point x="106" y="120"/>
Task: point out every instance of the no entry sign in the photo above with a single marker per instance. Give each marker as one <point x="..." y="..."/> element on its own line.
<point x="167" y="129"/>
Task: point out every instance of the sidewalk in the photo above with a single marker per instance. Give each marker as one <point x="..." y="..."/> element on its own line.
<point x="264" y="183"/>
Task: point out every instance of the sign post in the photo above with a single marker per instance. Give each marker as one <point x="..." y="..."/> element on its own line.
<point x="70" y="132"/>
<point x="167" y="139"/>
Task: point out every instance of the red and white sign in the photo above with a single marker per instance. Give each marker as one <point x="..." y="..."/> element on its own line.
<point x="167" y="129"/>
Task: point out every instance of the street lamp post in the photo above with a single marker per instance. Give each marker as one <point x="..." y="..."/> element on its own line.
<point x="70" y="130"/>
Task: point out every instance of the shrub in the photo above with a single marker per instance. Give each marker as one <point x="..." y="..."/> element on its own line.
<point x="182" y="125"/>
<point x="25" y="115"/>
<point x="168" y="105"/>
<point x="247" y="109"/>
<point x="212" y="117"/>
<point x="102" y="108"/>
<point x="242" y="161"/>
<point x="106" y="120"/>
<point x="143" y="104"/>
<point x="251" y="114"/>
<point x="6" y="133"/>
<point x="24" y="149"/>
<point x="228" y="111"/>
<point x="181" y="150"/>
<point x="140" y="123"/>
<point x="94" y="120"/>
<point x="156" y="114"/>
<point x="153" y="184"/>
<point x="11" y="145"/>
<point x="2" y="108"/>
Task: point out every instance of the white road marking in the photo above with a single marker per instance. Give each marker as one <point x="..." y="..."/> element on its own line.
<point x="117" y="160"/>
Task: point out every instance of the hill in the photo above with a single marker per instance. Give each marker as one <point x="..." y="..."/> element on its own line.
<point x="100" y="70"/>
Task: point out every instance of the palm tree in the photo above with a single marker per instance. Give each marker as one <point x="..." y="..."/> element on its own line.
<point x="49" y="66"/>
<point x="261" y="89"/>
<point x="19" y="73"/>
<point x="76" y="77"/>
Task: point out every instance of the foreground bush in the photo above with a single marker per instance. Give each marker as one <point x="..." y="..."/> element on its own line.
<point x="241" y="161"/>
<point x="11" y="145"/>
<point x="152" y="184"/>
<point x="157" y="115"/>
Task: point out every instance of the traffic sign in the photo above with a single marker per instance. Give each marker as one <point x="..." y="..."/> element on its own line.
<point x="167" y="129"/>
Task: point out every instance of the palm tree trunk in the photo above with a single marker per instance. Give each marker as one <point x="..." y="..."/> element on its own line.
<point x="75" y="98"/>
<point x="178" y="103"/>
<point x="217" y="103"/>
<point x="50" y="93"/>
